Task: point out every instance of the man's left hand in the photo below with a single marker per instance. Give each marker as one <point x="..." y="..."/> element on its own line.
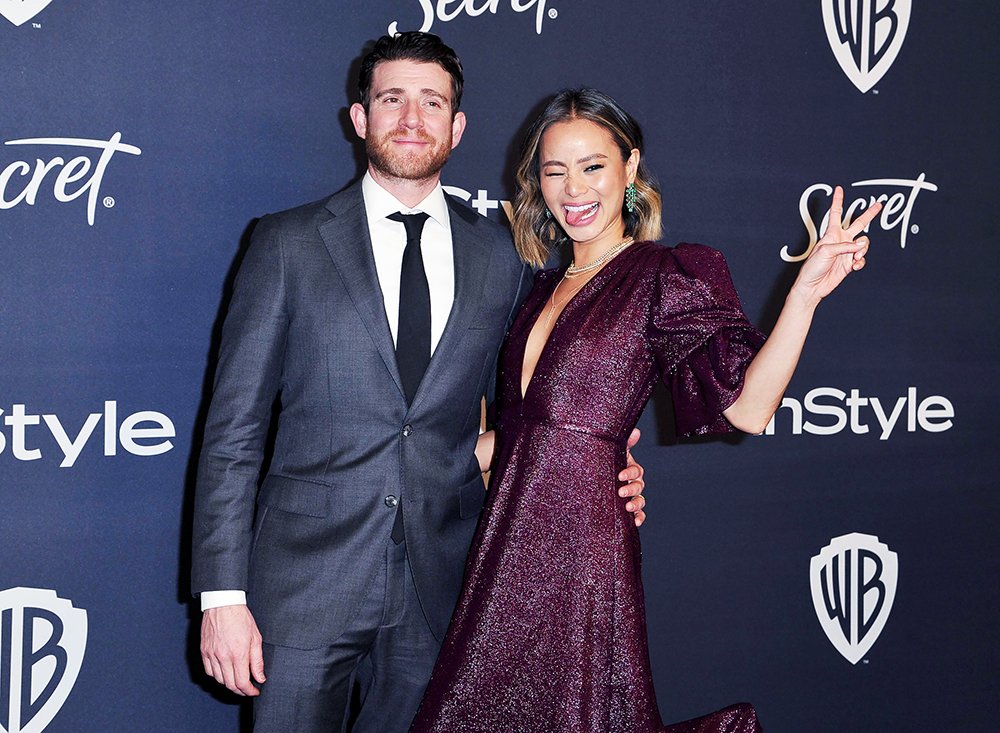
<point x="633" y="489"/>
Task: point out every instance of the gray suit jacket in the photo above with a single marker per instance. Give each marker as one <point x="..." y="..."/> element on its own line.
<point x="307" y="322"/>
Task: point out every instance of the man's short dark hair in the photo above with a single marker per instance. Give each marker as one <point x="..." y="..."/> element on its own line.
<point x="412" y="46"/>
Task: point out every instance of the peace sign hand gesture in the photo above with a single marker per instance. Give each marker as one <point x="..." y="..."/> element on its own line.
<point x="836" y="255"/>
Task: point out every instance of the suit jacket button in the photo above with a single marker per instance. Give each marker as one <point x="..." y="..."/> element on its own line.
<point x="391" y="501"/>
<point x="407" y="431"/>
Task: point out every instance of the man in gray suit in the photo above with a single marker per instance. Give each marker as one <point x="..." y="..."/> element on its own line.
<point x="375" y="316"/>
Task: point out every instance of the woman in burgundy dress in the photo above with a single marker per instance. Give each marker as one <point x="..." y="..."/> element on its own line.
<point x="549" y="634"/>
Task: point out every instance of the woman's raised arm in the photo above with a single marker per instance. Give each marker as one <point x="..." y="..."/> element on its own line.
<point x="840" y="252"/>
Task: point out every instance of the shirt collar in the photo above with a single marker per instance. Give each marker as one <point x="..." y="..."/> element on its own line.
<point x="379" y="203"/>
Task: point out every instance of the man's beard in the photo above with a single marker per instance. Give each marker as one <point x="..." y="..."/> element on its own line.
<point x="409" y="165"/>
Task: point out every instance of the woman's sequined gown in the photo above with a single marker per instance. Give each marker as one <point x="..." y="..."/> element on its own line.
<point x="549" y="634"/>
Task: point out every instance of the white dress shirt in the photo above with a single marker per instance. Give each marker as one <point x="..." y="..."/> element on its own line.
<point x="388" y="242"/>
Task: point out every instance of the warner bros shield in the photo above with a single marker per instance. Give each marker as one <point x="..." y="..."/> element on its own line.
<point x="42" y="643"/>
<point x="19" y="12"/>
<point x="853" y="582"/>
<point x="866" y="36"/>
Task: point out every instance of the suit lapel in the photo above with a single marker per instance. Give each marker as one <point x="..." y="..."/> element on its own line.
<point x="472" y="259"/>
<point x="348" y="241"/>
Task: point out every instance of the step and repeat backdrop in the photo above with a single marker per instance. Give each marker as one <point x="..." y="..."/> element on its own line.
<point x="839" y="570"/>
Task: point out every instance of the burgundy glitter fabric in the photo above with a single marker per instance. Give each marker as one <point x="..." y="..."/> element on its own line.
<point x="549" y="634"/>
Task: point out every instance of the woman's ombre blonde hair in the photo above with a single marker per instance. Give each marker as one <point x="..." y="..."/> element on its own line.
<point x="536" y="235"/>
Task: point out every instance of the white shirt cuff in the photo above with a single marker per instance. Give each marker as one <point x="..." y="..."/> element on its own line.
<point x="216" y="598"/>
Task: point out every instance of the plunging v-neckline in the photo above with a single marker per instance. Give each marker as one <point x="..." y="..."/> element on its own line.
<point x="545" y="345"/>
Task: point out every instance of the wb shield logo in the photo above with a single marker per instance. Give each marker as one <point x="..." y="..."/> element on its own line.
<point x="21" y="11"/>
<point x="42" y="641"/>
<point x="865" y="36"/>
<point x="853" y="581"/>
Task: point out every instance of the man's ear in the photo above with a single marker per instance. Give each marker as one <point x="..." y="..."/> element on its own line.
<point x="360" y="119"/>
<point x="457" y="128"/>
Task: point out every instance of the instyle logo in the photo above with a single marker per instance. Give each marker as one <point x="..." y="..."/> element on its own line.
<point x="21" y="11"/>
<point x="29" y="181"/>
<point x="447" y="10"/>
<point x="149" y="427"/>
<point x="897" y="209"/>
<point x="853" y="583"/>
<point x="865" y="36"/>
<point x="839" y="410"/>
<point x="42" y="643"/>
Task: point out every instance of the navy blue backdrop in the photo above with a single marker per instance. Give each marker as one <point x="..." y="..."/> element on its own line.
<point x="142" y="140"/>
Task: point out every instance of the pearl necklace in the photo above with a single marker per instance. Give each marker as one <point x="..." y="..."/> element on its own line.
<point x="574" y="271"/>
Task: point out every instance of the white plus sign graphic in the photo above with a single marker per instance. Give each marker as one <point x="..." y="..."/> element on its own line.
<point x="482" y="203"/>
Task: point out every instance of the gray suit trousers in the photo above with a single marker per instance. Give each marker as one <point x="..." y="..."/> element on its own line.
<point x="388" y="650"/>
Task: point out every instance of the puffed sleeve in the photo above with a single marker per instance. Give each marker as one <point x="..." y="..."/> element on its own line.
<point x="702" y="340"/>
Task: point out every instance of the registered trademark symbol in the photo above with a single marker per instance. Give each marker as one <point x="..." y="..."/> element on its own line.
<point x="553" y="13"/>
<point x="915" y="229"/>
<point x="109" y="202"/>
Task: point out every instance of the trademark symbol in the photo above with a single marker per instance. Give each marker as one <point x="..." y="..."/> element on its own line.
<point x="864" y="661"/>
<point x="553" y="13"/>
<point x="36" y="25"/>
<point x="914" y="229"/>
<point x="109" y="203"/>
<point x="875" y="92"/>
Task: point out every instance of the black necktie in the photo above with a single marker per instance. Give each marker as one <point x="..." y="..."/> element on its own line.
<point x="413" y="330"/>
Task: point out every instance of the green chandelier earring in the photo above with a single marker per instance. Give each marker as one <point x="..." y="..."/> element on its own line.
<point x="630" y="197"/>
